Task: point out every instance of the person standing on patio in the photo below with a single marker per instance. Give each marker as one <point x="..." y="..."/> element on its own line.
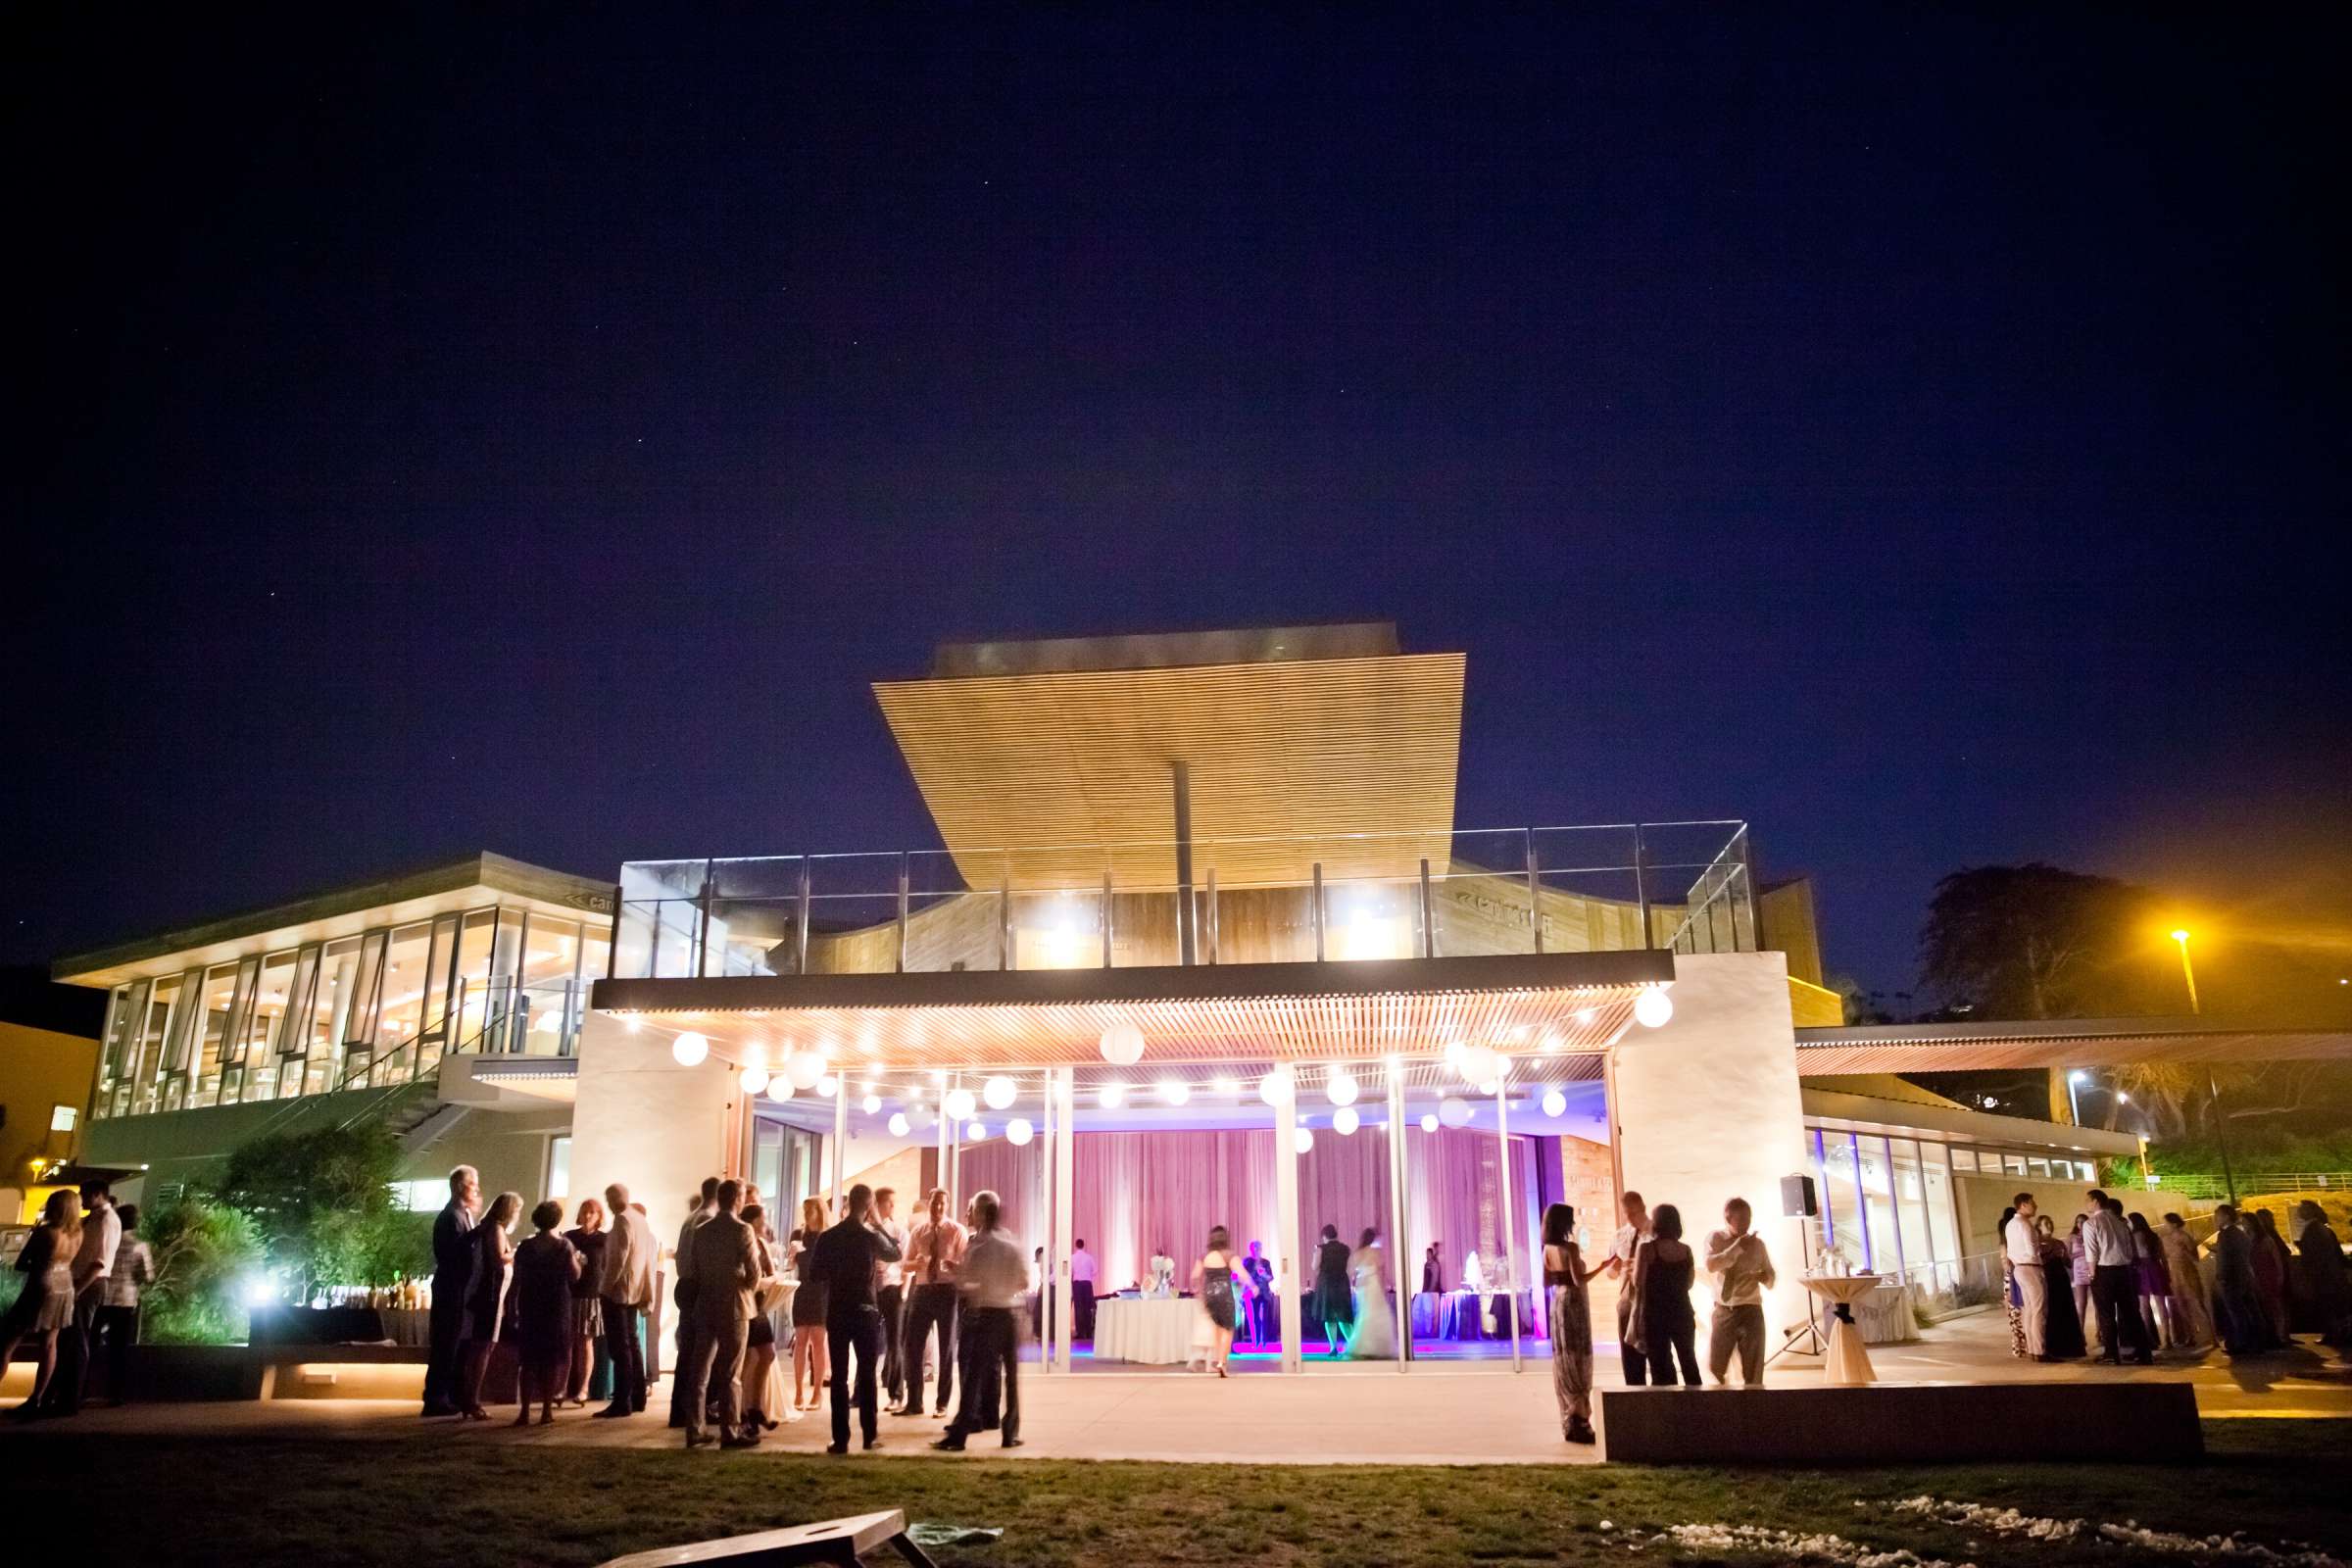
<point x="1570" y="1321"/>
<point x="588" y="1239"/>
<point x="1212" y="1282"/>
<point x="1083" y="1270"/>
<point x="2155" y="1285"/>
<point x="2114" y="1285"/>
<point x="93" y="1267"/>
<point x="727" y="1275"/>
<point x="1257" y="1270"/>
<point x="934" y="1254"/>
<point x="2184" y="1279"/>
<point x="683" y="1399"/>
<point x="119" y="1317"/>
<point x="45" y="1304"/>
<point x="2021" y="1249"/>
<point x="1743" y="1268"/>
<point x="2062" y="1336"/>
<point x="627" y="1289"/>
<point x="2081" y="1276"/>
<point x="890" y="1298"/>
<point x="994" y="1283"/>
<point x="1622" y="1254"/>
<point x="2274" y="1264"/>
<point x="453" y="1280"/>
<point x="486" y="1300"/>
<point x="1663" y="1323"/>
<point x="1335" y="1301"/>
<point x="2244" y="1322"/>
<point x="547" y="1266"/>
<point x="2322" y="1294"/>
<point x="842" y="1264"/>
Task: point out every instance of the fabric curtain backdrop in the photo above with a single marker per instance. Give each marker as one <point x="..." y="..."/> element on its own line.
<point x="1135" y="1191"/>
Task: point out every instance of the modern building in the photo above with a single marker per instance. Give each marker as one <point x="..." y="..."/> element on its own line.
<point x="48" y="1045"/>
<point x="447" y="1002"/>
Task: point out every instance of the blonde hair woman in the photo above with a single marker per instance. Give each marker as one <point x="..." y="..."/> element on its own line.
<point x="808" y="1314"/>
<point x="47" y="1303"/>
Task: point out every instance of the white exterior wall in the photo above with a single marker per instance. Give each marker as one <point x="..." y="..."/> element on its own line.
<point x="1706" y="1108"/>
<point x="656" y="1127"/>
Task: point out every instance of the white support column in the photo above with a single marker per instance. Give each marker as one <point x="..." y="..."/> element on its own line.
<point x="1285" y="1215"/>
<point x="840" y="1157"/>
<point x="1504" y="1221"/>
<point x="1066" y="1172"/>
<point x="1049" y="1212"/>
<point x="952" y="1176"/>
<point x="1400" y="1244"/>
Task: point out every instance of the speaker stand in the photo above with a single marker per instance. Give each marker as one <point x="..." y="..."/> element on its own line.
<point x="1807" y="1341"/>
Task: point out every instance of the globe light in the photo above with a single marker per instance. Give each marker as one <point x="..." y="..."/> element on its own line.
<point x="899" y="1125"/>
<point x="753" y="1078"/>
<point x="960" y="1104"/>
<point x="1112" y="1096"/>
<point x="923" y="1117"/>
<point x="1493" y="1086"/>
<point x="827" y="1086"/>
<point x="975" y="1132"/>
<point x="1226" y="1087"/>
<point x="1018" y="1132"/>
<point x="1342" y="1088"/>
<point x="1481" y="1064"/>
<point x="802" y="1068"/>
<point x="1455" y="1111"/>
<point x="1555" y="1104"/>
<point x="1653" y="1009"/>
<point x="999" y="1092"/>
<point x="1122" y="1044"/>
<point x="689" y="1050"/>
<point x="873" y="1104"/>
<point x="1172" y="1091"/>
<point x="1277" y="1085"/>
<point x="1303" y="1139"/>
<point x="1345" y="1121"/>
<point x="1429" y="1121"/>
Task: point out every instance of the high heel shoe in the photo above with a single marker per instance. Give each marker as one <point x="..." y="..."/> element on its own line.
<point x="1220" y="1369"/>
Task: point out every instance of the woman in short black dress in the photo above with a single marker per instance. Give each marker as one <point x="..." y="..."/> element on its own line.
<point x="1212" y="1276"/>
<point x="486" y="1302"/>
<point x="587" y="1239"/>
<point x="546" y="1267"/>
<point x="807" y="1311"/>
<point x="46" y="1304"/>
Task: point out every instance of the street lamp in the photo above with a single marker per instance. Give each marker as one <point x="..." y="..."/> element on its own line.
<point x="2074" y="1102"/>
<point x="2213" y="1090"/>
<point x="2186" y="972"/>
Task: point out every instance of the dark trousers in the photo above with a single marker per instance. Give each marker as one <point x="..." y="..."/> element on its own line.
<point x="890" y="1301"/>
<point x="1629" y="1357"/>
<point x="1665" y="1346"/>
<point x="716" y="1363"/>
<point x="686" y="1394"/>
<point x="929" y="1307"/>
<point x="119" y="1327"/>
<point x="73" y="1353"/>
<point x="860" y="1330"/>
<point x="626" y="1352"/>
<point x="2116" y="1292"/>
<point x="441" y="1358"/>
<point x="1082" y="1311"/>
<point x="991" y="1337"/>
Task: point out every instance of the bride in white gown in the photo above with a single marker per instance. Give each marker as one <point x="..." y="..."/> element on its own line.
<point x="1374" y="1336"/>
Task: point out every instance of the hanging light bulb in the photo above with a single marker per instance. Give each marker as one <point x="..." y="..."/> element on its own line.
<point x="753" y="1078"/>
<point x="1480" y="1064"/>
<point x="1652" y="1007"/>
<point x="827" y="1085"/>
<point x="975" y="1132"/>
<point x="1303" y="1139"/>
<point x="873" y="1104"/>
<point x="1342" y="1087"/>
<point x="1112" y="1096"/>
<point x="1429" y="1121"/>
<point x="899" y="1125"/>
<point x="1555" y="1104"/>
<point x="1277" y="1085"/>
<point x="1453" y="1111"/>
<point x="1172" y="1091"/>
<point x="1345" y="1121"/>
<point x="958" y="1105"/>
<point x="689" y="1050"/>
<point x="802" y="1068"/>
<point x="1122" y="1044"/>
<point x="998" y="1091"/>
<point x="1018" y="1132"/>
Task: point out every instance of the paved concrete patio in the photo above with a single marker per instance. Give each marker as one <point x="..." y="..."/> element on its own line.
<point x="1441" y="1413"/>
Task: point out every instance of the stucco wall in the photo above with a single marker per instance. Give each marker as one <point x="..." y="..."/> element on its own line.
<point x="1706" y="1108"/>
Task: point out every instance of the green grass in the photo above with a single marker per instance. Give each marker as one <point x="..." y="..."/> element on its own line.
<point x="437" y="1500"/>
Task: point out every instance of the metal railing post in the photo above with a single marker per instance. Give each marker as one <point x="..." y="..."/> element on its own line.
<point x="1105" y="918"/>
<point x="1535" y="893"/>
<point x="1642" y="889"/>
<point x="904" y="864"/>
<point x="1428" y="923"/>
<point x="800" y="960"/>
<point x="1005" y="921"/>
<point x="1747" y="878"/>
<point x="1212" y="914"/>
<point x="702" y="937"/>
<point x="1318" y="912"/>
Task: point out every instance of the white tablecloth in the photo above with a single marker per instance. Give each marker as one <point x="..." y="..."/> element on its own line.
<point x="1155" y="1333"/>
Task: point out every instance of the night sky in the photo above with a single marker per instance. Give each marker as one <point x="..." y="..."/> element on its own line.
<point x="532" y="427"/>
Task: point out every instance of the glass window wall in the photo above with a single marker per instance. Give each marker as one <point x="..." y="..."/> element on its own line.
<point x="262" y="1028"/>
<point x="212" y="1030"/>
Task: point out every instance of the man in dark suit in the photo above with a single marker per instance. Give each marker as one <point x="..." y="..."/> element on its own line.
<point x="453" y="1278"/>
<point x="727" y="1274"/>
<point x="844" y="1263"/>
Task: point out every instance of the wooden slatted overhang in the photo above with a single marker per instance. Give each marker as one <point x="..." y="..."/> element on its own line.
<point x="2063" y="1043"/>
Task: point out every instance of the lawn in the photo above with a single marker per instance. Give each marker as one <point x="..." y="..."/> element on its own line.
<point x="438" y="1501"/>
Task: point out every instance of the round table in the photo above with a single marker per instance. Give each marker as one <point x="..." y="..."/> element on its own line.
<point x="1846" y="1363"/>
<point x="1161" y="1331"/>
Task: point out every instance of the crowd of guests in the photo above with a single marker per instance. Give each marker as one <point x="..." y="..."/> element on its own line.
<point x="84" y="1266"/>
<point x="2115" y="1287"/>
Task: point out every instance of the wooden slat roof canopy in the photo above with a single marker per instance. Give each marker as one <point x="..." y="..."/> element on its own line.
<point x="1047" y="777"/>
<point x="2058" y="1043"/>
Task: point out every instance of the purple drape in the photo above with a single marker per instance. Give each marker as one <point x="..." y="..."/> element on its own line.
<point x="1136" y="1191"/>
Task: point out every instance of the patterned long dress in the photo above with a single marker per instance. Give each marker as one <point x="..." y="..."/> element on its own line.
<point x="2184" y="1279"/>
<point x="1571" y="1342"/>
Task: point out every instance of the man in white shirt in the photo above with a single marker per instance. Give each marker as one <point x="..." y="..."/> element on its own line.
<point x="1743" y="1270"/>
<point x="994" y="1283"/>
<point x="933" y="1253"/>
<point x="1630" y="1237"/>
<point x="627" y="1285"/>
<point x="1082" y="1293"/>
<point x="93" y="1267"/>
<point x="2114" y="1284"/>
<point x="2021" y="1248"/>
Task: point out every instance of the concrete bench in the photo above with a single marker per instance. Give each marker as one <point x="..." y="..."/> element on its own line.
<point x="839" y="1542"/>
<point x="1903" y="1423"/>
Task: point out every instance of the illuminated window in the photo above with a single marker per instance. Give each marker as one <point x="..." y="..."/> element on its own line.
<point x="62" y="1118"/>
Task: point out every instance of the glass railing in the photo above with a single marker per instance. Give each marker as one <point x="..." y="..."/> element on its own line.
<point x="1685" y="886"/>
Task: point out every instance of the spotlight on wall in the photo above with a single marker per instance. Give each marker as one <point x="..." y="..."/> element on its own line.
<point x="689" y="1050"/>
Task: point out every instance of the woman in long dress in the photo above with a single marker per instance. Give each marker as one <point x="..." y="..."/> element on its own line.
<point x="2184" y="1279"/>
<point x="2273" y="1263"/>
<point x="2323" y="1292"/>
<point x="2080" y="1274"/>
<point x="2012" y="1293"/>
<point x="46" y="1304"/>
<point x="2062" y="1336"/>
<point x="1374" y="1336"/>
<point x="1212" y="1282"/>
<point x="1570" y="1321"/>
<point x="486" y="1300"/>
<point x="546" y="1268"/>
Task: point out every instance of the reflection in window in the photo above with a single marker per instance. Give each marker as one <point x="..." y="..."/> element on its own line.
<point x="1843" y="1194"/>
<point x="212" y="1030"/>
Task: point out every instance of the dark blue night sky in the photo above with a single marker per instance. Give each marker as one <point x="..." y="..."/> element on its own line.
<point x="1920" y="434"/>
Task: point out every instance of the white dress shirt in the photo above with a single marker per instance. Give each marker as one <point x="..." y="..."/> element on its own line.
<point x="2020" y="1243"/>
<point x="2107" y="1239"/>
<point x="996" y="1271"/>
<point x="1082" y="1266"/>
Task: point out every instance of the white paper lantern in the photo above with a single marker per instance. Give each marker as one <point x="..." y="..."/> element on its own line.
<point x="960" y="1104"/>
<point x="975" y="1132"/>
<point x="1172" y="1091"/>
<point x="1453" y="1111"/>
<point x="1555" y="1104"/>
<point x="873" y="1104"/>
<point x="1276" y="1085"/>
<point x="1653" y="1007"/>
<point x="802" y="1068"/>
<point x="1018" y="1132"/>
<point x="1303" y="1139"/>
<point x="1429" y="1121"/>
<point x="899" y="1125"/>
<point x="753" y="1078"/>
<point x="1480" y="1064"/>
<point x="1345" y="1120"/>
<point x="999" y="1092"/>
<point x="1111" y="1097"/>
<point x="689" y="1050"/>
<point x="777" y="1087"/>
<point x="923" y="1117"/>
<point x="1342" y="1088"/>
<point x="1122" y="1044"/>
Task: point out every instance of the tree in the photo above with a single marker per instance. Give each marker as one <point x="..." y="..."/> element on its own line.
<point x="202" y="1250"/>
<point x="323" y="1205"/>
<point x="2036" y="942"/>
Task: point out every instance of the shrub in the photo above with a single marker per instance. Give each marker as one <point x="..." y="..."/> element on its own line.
<point x="204" y="1252"/>
<point x="323" y="1205"/>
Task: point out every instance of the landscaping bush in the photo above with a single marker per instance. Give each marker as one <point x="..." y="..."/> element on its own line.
<point x="205" y="1251"/>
